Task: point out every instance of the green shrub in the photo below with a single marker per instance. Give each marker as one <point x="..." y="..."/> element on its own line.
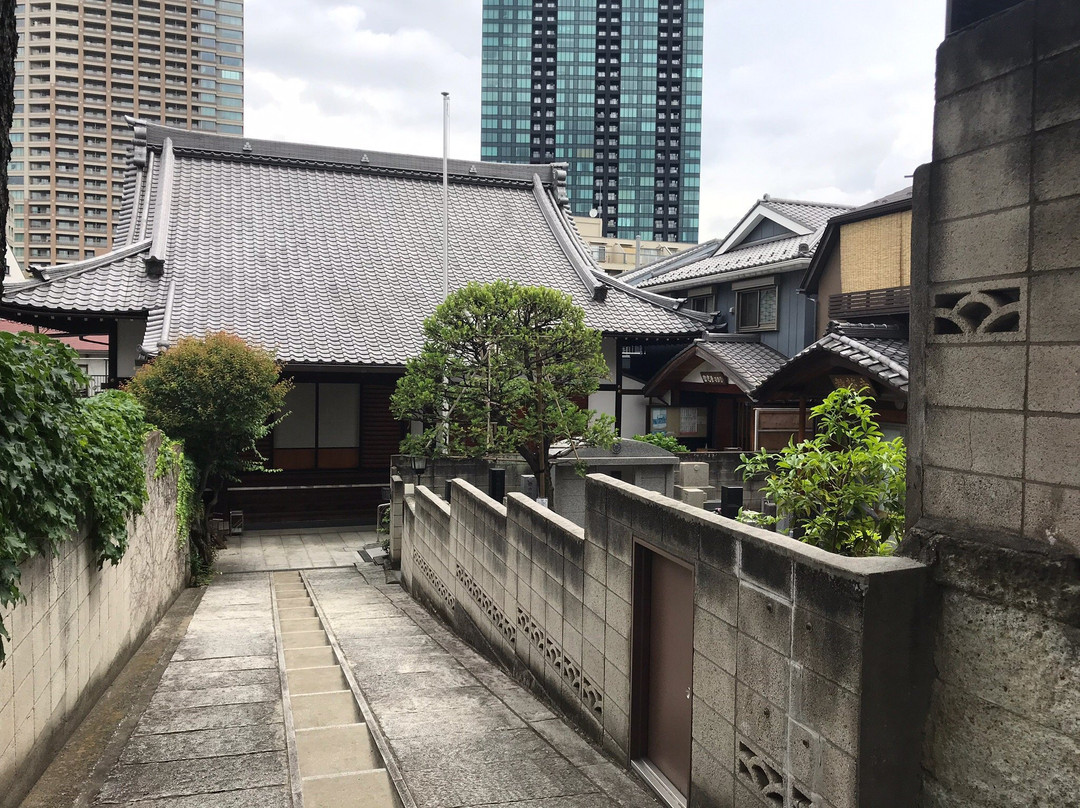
<point x="664" y="440"/>
<point x="844" y="488"/>
<point x="65" y="462"/>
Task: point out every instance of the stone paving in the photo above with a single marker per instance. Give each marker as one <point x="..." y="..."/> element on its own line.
<point x="458" y="731"/>
<point x="292" y="550"/>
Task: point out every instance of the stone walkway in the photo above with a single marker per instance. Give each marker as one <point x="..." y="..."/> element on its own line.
<point x="454" y="730"/>
<point x="292" y="550"/>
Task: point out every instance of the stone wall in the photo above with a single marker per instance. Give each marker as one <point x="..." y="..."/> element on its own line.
<point x="77" y="628"/>
<point x="994" y="486"/>
<point x="809" y="669"/>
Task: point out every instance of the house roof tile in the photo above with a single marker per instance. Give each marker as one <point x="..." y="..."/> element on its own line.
<point x="331" y="256"/>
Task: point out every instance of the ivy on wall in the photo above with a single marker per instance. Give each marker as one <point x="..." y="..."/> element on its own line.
<point x="65" y="461"/>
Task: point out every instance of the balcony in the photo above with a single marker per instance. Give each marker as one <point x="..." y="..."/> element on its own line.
<point x="894" y="300"/>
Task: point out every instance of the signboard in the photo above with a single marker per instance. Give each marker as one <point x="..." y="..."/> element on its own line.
<point x="684" y="422"/>
<point x="713" y="377"/>
<point x="658" y="423"/>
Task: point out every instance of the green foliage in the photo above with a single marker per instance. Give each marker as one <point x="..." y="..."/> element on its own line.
<point x="65" y="461"/>
<point x="171" y="458"/>
<point x="665" y="440"/>
<point x="218" y="395"/>
<point x="844" y="488"/>
<point x="502" y="369"/>
<point x="111" y="456"/>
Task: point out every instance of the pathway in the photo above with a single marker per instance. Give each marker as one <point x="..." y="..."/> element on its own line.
<point x="324" y="687"/>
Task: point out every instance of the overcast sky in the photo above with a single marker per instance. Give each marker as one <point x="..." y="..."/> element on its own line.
<point x="827" y="100"/>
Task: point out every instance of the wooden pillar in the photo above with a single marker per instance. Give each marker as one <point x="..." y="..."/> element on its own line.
<point x="802" y="419"/>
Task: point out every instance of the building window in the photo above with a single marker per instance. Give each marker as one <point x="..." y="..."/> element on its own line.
<point x="322" y="430"/>
<point x="756" y="309"/>
<point x="702" y="303"/>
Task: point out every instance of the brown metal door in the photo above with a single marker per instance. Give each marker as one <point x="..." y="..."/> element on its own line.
<point x="671" y="669"/>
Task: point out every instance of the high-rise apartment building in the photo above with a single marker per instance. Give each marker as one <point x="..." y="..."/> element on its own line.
<point x="81" y="67"/>
<point x="611" y="87"/>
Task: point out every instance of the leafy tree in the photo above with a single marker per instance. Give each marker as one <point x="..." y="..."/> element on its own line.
<point x="843" y="488"/>
<point x="504" y="368"/>
<point x="665" y="440"/>
<point x="219" y="395"/>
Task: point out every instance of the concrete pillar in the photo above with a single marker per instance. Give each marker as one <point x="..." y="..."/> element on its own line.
<point x="994" y="484"/>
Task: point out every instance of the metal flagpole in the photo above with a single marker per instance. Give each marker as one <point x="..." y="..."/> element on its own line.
<point x="445" y="198"/>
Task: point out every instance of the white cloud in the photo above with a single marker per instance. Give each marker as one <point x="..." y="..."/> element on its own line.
<point x="830" y="100"/>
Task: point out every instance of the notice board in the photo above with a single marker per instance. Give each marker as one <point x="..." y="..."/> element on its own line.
<point x="684" y="422"/>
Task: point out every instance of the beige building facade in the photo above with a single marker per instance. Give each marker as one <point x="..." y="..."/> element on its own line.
<point x="81" y="67"/>
<point x="615" y="255"/>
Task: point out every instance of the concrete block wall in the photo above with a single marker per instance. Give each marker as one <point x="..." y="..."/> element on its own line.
<point x="809" y="669"/>
<point x="997" y="281"/>
<point x="994" y="491"/>
<point x="78" y="626"/>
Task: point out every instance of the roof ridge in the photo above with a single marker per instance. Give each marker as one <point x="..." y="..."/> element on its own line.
<point x="244" y="148"/>
<point x="808" y="203"/>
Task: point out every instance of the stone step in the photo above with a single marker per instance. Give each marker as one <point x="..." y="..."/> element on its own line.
<point x="336" y="750"/>
<point x="291" y="624"/>
<point x="316" y="680"/>
<point x="370" y="789"/>
<point x="309" y="658"/>
<point x="303" y="639"/>
<point x="296" y="612"/>
<point x="325" y="710"/>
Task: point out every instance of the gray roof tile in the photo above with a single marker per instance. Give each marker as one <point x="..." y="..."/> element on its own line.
<point x="709" y="261"/>
<point x="752" y="361"/>
<point x="334" y="256"/>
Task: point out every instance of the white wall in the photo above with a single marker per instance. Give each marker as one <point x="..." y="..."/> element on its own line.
<point x="129" y="336"/>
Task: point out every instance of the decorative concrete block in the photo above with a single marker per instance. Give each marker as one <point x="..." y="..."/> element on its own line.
<point x="761" y="725"/>
<point x="984" y="115"/>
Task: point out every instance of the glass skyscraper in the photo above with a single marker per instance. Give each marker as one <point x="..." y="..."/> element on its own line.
<point x="611" y="87"/>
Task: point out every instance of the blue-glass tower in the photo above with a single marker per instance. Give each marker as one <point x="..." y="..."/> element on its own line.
<point x="611" y="87"/>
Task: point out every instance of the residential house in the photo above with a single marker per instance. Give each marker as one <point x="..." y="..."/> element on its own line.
<point x="748" y="282"/>
<point x="93" y="351"/>
<point x="860" y="277"/>
<point x="331" y="257"/>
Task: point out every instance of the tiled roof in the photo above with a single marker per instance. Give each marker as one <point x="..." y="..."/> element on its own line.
<point x="811" y="215"/>
<point x="115" y="282"/>
<point x="753" y="362"/>
<point x="332" y="256"/>
<point x="711" y="261"/>
<point x="880" y="350"/>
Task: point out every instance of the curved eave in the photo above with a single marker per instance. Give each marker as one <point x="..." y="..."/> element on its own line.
<point x="812" y="364"/>
<point x="683" y="362"/>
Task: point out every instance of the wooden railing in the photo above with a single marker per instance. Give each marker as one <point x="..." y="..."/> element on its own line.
<point x="894" y="300"/>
